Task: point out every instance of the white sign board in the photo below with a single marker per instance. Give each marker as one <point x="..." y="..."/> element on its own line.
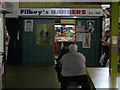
<point x="28" y="25"/>
<point x="114" y="39"/>
<point x="60" y="12"/>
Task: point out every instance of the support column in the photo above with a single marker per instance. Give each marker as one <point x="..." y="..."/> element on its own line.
<point x="114" y="36"/>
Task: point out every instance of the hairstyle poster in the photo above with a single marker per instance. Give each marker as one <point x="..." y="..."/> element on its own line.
<point x="86" y="40"/>
<point x="90" y="26"/>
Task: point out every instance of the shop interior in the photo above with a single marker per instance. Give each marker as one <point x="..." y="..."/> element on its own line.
<point x="65" y="34"/>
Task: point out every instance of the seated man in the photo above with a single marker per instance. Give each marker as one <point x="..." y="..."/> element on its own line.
<point x="74" y="69"/>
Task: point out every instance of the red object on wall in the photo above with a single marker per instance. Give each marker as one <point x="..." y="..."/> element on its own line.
<point x="56" y="46"/>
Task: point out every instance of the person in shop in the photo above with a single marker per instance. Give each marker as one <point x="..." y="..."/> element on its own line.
<point x="74" y="69"/>
<point x="105" y="48"/>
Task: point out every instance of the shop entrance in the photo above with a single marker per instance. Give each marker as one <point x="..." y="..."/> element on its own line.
<point x="85" y="32"/>
<point x="42" y="39"/>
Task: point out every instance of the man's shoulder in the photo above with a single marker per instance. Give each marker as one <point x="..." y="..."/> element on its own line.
<point x="80" y="53"/>
<point x="66" y="54"/>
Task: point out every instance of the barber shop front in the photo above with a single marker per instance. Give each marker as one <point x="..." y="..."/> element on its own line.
<point x="45" y="31"/>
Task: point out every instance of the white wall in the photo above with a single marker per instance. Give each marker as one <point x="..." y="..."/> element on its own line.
<point x="1" y="47"/>
<point x="1" y="33"/>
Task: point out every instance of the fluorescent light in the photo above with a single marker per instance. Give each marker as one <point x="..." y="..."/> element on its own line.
<point x="69" y="26"/>
<point x="58" y="26"/>
<point x="105" y="6"/>
<point x="74" y="17"/>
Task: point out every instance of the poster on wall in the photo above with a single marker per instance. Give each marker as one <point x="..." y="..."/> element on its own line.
<point x="79" y="37"/>
<point x="86" y="40"/>
<point x="114" y="39"/>
<point x="80" y="28"/>
<point x="28" y="26"/>
<point x="79" y="23"/>
<point x="90" y="26"/>
<point x="44" y="33"/>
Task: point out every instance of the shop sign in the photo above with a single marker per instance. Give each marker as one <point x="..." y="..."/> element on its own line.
<point x="60" y="12"/>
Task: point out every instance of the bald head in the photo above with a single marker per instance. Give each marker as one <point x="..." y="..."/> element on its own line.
<point x="73" y="48"/>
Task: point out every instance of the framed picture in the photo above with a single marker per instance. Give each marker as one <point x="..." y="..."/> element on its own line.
<point x="44" y="33"/>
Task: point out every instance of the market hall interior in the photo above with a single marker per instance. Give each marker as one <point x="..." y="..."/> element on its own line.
<point x="30" y="50"/>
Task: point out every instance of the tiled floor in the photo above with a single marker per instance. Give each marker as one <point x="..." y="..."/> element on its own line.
<point x="31" y="76"/>
<point x="44" y="76"/>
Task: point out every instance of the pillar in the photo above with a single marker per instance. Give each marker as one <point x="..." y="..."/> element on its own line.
<point x="114" y="37"/>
